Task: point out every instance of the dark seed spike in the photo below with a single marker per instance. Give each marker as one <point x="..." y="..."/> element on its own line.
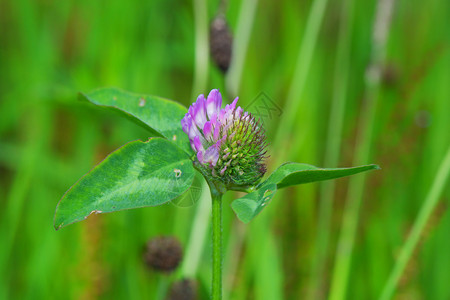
<point x="255" y="122"/>
<point x="262" y="152"/>
<point x="262" y="130"/>
<point x="264" y="146"/>
<point x="241" y="127"/>
<point x="246" y="132"/>
<point x="253" y="138"/>
<point x="262" y="142"/>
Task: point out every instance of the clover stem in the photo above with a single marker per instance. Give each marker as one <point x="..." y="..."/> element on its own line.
<point x="217" y="244"/>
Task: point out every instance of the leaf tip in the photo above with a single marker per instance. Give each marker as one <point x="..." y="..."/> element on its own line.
<point x="242" y="219"/>
<point x="57" y="226"/>
<point x="236" y="206"/>
<point x="82" y="96"/>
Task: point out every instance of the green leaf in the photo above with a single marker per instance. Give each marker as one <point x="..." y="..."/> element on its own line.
<point x="136" y="175"/>
<point x="156" y="114"/>
<point x="288" y="174"/>
<point x="247" y="207"/>
<point x="291" y="173"/>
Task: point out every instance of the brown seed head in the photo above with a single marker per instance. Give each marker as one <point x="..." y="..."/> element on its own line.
<point x="163" y="254"/>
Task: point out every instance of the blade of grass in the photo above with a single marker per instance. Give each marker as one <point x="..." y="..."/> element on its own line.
<point x="240" y="45"/>
<point x="16" y="200"/>
<point x="297" y="85"/>
<point x="236" y="240"/>
<point x="332" y="147"/>
<point x="201" y="48"/>
<point x="233" y="253"/>
<point x="199" y="231"/>
<point x="362" y="152"/>
<point x="200" y="223"/>
<point x="296" y="90"/>
<point x="419" y="225"/>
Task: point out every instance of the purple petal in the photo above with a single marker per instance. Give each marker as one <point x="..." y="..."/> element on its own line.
<point x="211" y="155"/>
<point x="194" y="132"/>
<point x="190" y="128"/>
<point x="214" y="120"/>
<point x="207" y="130"/>
<point x="186" y="123"/>
<point x="233" y="105"/>
<point x="213" y="103"/>
<point x="223" y="171"/>
<point x="192" y="145"/>
<point x="221" y="141"/>
<point x="221" y="116"/>
<point x="245" y="116"/>
<point x="226" y="155"/>
<point x="216" y="132"/>
<point x="198" y="144"/>
<point x="238" y="112"/>
<point x="198" y="111"/>
<point x="200" y="157"/>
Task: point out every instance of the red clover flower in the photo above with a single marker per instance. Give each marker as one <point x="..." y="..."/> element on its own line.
<point x="230" y="144"/>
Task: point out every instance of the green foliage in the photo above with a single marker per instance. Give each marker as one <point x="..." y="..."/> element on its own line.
<point x="139" y="174"/>
<point x="247" y="207"/>
<point x="152" y="112"/>
<point x="288" y="174"/>
<point x="52" y="49"/>
<point x="152" y="173"/>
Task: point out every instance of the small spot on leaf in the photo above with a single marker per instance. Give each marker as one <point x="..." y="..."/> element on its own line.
<point x="115" y="98"/>
<point x="174" y="138"/>
<point x="267" y="193"/>
<point x="142" y="102"/>
<point x="177" y="172"/>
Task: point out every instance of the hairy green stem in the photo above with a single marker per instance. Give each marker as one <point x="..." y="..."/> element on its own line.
<point x="217" y="244"/>
<point x="425" y="212"/>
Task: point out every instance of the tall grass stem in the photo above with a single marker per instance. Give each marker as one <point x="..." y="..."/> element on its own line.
<point x="197" y="238"/>
<point x="333" y="146"/>
<point x="240" y="45"/>
<point x="297" y="85"/>
<point x="362" y="151"/>
<point x="424" y="215"/>
<point x="201" y="48"/>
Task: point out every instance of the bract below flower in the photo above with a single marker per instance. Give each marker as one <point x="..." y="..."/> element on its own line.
<point x="229" y="143"/>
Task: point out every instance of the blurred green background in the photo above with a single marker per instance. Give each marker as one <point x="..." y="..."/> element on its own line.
<point x="357" y="82"/>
